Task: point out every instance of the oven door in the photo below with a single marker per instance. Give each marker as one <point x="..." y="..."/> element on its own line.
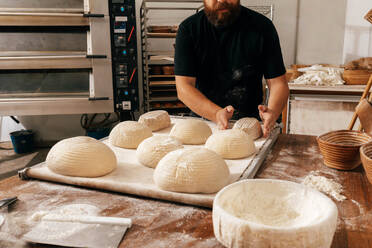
<point x="55" y="60"/>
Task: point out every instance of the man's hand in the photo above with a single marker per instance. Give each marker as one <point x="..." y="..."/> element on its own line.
<point x="268" y="118"/>
<point x="223" y="116"/>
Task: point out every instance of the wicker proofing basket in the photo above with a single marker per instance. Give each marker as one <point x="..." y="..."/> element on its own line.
<point x="356" y="76"/>
<point x="368" y="16"/>
<point x="340" y="149"/>
<point x="366" y="157"/>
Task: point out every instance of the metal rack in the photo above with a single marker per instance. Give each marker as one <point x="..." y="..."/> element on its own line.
<point x="160" y="88"/>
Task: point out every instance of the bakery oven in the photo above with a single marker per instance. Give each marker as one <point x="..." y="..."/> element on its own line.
<point x="69" y="57"/>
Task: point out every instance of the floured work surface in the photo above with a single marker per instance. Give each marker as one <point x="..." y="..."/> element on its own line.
<point x="133" y="178"/>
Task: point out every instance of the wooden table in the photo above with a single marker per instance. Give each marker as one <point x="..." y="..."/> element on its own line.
<point x="165" y="224"/>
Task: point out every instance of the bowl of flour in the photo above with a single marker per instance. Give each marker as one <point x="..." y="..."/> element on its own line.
<point x="273" y="213"/>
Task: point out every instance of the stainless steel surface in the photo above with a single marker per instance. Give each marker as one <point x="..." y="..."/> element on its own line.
<point x="72" y="234"/>
<point x="47" y="48"/>
<point x="256" y="163"/>
<point x="7" y="201"/>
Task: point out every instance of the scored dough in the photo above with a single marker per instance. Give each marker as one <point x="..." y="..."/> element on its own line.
<point x="129" y="134"/>
<point x="231" y="144"/>
<point x="249" y="125"/>
<point x="192" y="170"/>
<point x="155" y="120"/>
<point x="191" y="131"/>
<point x="81" y="157"/>
<point x="152" y="149"/>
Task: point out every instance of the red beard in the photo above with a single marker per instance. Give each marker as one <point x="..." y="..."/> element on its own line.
<point x="227" y="16"/>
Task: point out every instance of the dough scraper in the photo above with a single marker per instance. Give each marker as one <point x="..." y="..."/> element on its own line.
<point x="79" y="231"/>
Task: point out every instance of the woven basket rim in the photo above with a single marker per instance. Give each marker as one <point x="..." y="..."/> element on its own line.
<point x="320" y="138"/>
<point x="368" y="16"/>
<point x="362" y="151"/>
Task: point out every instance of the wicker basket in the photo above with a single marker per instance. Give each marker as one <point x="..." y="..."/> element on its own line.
<point x="340" y="149"/>
<point x="356" y="76"/>
<point x="366" y="157"/>
<point x="292" y="74"/>
<point x="368" y="16"/>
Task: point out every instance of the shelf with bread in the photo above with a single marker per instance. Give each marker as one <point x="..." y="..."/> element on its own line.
<point x="160" y="20"/>
<point x="356" y="72"/>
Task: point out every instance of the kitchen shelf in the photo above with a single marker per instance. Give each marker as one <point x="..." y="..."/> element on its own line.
<point x="160" y="83"/>
<point x="160" y="62"/>
<point x="161" y="35"/>
<point x="171" y="107"/>
<point x="161" y="53"/>
<point x="163" y="99"/>
<point x="160" y="88"/>
<point x="161" y="76"/>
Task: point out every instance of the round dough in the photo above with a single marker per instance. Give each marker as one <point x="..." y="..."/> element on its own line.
<point x="249" y="125"/>
<point x="155" y="120"/>
<point x="152" y="149"/>
<point x="192" y="170"/>
<point x="273" y="213"/>
<point x="129" y="134"/>
<point x="231" y="144"/>
<point x="191" y="131"/>
<point x="81" y="157"/>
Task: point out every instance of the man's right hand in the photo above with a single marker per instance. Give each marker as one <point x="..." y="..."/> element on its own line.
<point x="223" y="116"/>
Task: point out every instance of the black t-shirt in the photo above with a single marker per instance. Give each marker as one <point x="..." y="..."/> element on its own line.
<point x="229" y="62"/>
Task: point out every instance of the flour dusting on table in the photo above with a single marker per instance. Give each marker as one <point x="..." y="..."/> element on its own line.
<point x="325" y="185"/>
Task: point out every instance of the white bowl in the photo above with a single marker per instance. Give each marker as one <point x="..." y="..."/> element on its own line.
<point x="273" y="213"/>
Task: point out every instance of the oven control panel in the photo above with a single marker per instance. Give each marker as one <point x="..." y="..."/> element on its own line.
<point x="124" y="54"/>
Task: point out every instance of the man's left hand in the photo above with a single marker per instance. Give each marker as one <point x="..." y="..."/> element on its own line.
<point x="268" y="118"/>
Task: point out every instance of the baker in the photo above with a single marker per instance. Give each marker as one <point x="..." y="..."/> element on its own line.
<point x="222" y="54"/>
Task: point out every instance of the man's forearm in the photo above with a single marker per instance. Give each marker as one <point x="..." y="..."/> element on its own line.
<point x="195" y="100"/>
<point x="279" y="93"/>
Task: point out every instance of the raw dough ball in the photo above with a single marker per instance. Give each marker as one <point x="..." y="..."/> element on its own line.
<point x="273" y="213"/>
<point x="249" y="125"/>
<point x="192" y="170"/>
<point x="231" y="144"/>
<point x="129" y="134"/>
<point x="191" y="131"/>
<point x="155" y="120"/>
<point x="152" y="149"/>
<point x="81" y="157"/>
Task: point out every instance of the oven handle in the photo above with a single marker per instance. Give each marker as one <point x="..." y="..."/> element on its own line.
<point x="96" y="56"/>
<point x="94" y="15"/>
<point x="98" y="98"/>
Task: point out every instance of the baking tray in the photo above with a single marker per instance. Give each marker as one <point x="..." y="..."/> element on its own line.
<point x="131" y="177"/>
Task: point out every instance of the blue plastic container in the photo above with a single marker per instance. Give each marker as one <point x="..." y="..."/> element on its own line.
<point x="98" y="133"/>
<point x="23" y="141"/>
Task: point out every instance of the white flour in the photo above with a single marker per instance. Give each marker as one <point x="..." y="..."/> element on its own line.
<point x="325" y="185"/>
<point x="319" y="75"/>
<point x="69" y="210"/>
<point x="54" y="232"/>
